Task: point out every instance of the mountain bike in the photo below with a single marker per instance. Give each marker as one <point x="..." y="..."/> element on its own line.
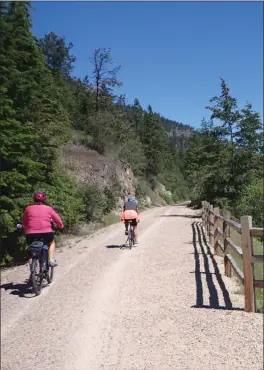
<point x="40" y="269"/>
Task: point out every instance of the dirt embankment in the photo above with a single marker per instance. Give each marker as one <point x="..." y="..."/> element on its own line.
<point x="88" y="167"/>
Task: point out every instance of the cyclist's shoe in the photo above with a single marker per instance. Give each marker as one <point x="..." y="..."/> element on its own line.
<point x="126" y="232"/>
<point x="53" y="263"/>
<point x="135" y="242"/>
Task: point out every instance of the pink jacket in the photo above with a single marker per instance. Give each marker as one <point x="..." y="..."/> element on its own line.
<point x="37" y="217"/>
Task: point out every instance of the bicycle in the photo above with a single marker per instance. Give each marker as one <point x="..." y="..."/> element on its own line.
<point x="40" y="268"/>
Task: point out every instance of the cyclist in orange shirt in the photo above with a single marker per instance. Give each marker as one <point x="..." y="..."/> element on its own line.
<point x="131" y="212"/>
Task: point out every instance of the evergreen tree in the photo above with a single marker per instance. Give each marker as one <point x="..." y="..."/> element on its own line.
<point x="248" y="147"/>
<point x="222" y="161"/>
<point x="154" y="143"/>
<point x="19" y="168"/>
<point x="225" y="109"/>
<point x="27" y="116"/>
<point x="57" y="54"/>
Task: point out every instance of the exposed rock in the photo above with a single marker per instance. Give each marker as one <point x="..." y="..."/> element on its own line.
<point x="88" y="167"/>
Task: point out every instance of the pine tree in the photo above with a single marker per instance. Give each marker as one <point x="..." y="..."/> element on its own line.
<point x="19" y="171"/>
<point x="104" y="78"/>
<point x="27" y="116"/>
<point x="154" y="141"/>
<point x="57" y="54"/>
<point x="249" y="146"/>
<point x="225" y="109"/>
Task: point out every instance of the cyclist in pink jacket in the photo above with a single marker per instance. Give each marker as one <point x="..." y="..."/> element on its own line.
<point x="37" y="220"/>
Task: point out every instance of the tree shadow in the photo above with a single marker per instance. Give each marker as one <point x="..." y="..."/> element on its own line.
<point x="200" y="244"/>
<point x="18" y="289"/>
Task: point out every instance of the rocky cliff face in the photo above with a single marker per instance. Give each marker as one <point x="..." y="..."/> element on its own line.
<point x="88" y="167"/>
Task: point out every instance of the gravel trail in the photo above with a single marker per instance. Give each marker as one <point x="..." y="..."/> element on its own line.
<point x="165" y="304"/>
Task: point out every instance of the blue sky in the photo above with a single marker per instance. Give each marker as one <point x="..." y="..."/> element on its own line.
<point x="171" y="53"/>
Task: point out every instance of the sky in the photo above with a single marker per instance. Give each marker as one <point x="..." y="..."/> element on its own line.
<point x="171" y="53"/>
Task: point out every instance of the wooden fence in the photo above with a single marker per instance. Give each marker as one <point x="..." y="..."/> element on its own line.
<point x="211" y="219"/>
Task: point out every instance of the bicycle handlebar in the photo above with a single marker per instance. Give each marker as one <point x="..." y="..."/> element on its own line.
<point x="53" y="225"/>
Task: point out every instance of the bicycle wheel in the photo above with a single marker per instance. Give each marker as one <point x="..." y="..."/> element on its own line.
<point x="37" y="277"/>
<point x="49" y="271"/>
<point x="50" y="274"/>
<point x="131" y="239"/>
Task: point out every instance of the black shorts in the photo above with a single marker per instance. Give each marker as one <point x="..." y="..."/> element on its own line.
<point x="46" y="237"/>
<point x="133" y="222"/>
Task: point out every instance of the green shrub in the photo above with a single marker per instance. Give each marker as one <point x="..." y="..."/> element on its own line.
<point x="63" y="196"/>
<point x="94" y="204"/>
<point x="251" y="202"/>
<point x="111" y="195"/>
<point x="132" y="152"/>
<point x="66" y="198"/>
<point x="142" y="190"/>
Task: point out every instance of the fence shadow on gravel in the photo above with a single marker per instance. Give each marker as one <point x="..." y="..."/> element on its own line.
<point x="182" y="216"/>
<point x="203" y="255"/>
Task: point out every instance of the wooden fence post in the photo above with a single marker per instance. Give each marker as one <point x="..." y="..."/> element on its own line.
<point x="226" y="234"/>
<point x="203" y="213"/>
<point x="207" y="218"/>
<point x="246" y="225"/>
<point x="204" y="208"/>
<point x="216" y="224"/>
<point x="211" y="225"/>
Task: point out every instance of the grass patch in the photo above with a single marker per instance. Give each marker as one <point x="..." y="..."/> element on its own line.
<point x="258" y="267"/>
<point x="110" y="219"/>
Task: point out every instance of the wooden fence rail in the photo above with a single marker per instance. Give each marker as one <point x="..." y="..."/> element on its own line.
<point x="211" y="223"/>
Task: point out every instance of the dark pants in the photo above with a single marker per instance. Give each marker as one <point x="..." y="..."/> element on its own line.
<point x="133" y="222"/>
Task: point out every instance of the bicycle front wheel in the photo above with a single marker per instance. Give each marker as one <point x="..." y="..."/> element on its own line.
<point x="50" y="275"/>
<point x="37" y="277"/>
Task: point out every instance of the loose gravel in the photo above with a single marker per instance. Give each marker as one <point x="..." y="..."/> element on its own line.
<point x="165" y="304"/>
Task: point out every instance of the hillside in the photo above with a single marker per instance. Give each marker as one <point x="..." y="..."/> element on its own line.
<point x="74" y="138"/>
<point x="178" y="133"/>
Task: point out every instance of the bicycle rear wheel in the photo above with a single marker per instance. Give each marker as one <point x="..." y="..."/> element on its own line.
<point x="131" y="237"/>
<point x="130" y="244"/>
<point x="36" y="276"/>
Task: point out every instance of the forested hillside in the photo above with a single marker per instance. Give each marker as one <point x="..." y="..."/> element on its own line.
<point x="44" y="108"/>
